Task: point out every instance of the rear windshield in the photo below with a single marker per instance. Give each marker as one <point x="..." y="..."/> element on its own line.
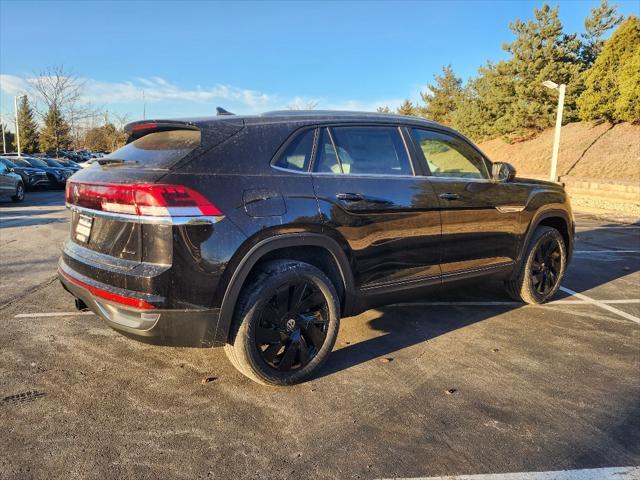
<point x="158" y="149"/>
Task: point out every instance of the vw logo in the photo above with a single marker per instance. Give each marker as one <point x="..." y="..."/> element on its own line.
<point x="291" y="324"/>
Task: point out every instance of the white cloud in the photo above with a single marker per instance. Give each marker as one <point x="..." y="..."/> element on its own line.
<point x="155" y="89"/>
<point x="158" y="89"/>
<point x="12" y="85"/>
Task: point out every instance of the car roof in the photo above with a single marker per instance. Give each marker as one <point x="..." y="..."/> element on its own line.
<point x="300" y="118"/>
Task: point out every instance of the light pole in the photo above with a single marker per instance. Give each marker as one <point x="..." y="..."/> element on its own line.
<point x="4" y="141"/>
<point x="15" y="106"/>
<point x="556" y="137"/>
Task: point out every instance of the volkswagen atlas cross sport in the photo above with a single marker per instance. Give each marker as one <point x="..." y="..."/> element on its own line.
<point x="258" y="233"/>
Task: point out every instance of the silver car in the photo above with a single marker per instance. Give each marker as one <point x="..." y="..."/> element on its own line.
<point x="11" y="184"/>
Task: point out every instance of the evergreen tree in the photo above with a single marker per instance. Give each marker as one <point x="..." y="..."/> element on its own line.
<point x="28" y="127"/>
<point x="484" y="107"/>
<point x="407" y="108"/>
<point x="442" y="97"/>
<point x="55" y="132"/>
<point x="541" y="52"/>
<point x="9" y="138"/>
<point x="384" y="109"/>
<point x="603" y="18"/>
<point x="613" y="83"/>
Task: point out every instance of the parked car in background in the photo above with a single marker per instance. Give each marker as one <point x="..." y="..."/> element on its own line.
<point x="31" y="177"/>
<point x="58" y="164"/>
<point x="69" y="163"/>
<point x="57" y="175"/>
<point x="11" y="184"/>
<point x="263" y="243"/>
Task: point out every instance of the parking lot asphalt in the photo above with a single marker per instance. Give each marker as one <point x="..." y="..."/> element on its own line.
<point x="467" y="382"/>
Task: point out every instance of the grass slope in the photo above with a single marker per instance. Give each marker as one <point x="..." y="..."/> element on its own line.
<point x="604" y="152"/>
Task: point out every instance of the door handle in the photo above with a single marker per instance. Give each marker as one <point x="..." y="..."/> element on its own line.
<point x="350" y="197"/>
<point x="449" y="196"/>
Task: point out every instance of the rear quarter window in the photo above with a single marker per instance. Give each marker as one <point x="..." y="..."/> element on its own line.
<point x="158" y="149"/>
<point x="297" y="155"/>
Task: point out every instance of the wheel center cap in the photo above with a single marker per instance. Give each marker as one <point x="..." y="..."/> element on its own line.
<point x="291" y="324"/>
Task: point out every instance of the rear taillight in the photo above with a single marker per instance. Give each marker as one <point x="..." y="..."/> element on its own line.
<point x="155" y="200"/>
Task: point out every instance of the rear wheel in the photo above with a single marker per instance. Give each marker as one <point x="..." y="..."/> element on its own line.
<point x="285" y="324"/>
<point x="19" y="196"/>
<point x="543" y="268"/>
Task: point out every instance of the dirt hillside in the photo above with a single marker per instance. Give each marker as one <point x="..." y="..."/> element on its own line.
<point x="603" y="152"/>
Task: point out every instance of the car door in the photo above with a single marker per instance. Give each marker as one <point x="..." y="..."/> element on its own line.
<point x="480" y="216"/>
<point x="370" y="197"/>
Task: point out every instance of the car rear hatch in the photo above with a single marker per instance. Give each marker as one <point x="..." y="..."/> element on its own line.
<point x="123" y="214"/>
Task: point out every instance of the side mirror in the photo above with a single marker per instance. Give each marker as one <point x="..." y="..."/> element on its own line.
<point x="503" y="172"/>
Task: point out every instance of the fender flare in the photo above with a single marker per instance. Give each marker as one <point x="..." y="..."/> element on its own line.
<point x="270" y="244"/>
<point x="535" y="222"/>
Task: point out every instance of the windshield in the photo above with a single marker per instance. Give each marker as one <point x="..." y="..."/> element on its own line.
<point x="53" y="163"/>
<point x="21" y="162"/>
<point x="158" y="149"/>
<point x="36" y="162"/>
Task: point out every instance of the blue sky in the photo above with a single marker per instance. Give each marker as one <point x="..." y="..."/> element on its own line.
<point x="189" y="57"/>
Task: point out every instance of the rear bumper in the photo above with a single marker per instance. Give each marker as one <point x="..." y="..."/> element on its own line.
<point x="188" y="328"/>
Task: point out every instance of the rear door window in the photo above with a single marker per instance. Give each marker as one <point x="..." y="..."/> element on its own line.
<point x="362" y="150"/>
<point x="158" y="150"/>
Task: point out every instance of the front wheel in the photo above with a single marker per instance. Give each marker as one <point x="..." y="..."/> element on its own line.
<point x="19" y="196"/>
<point x="542" y="269"/>
<point x="285" y="323"/>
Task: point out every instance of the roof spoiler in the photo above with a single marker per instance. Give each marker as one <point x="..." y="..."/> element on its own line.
<point x="141" y="128"/>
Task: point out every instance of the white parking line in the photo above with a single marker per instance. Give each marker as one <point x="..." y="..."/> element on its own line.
<point x="607" y="473"/>
<point x="405" y="304"/>
<point x="605" y="227"/>
<point x="605" y="251"/>
<point x="601" y="305"/>
<point x="491" y="304"/>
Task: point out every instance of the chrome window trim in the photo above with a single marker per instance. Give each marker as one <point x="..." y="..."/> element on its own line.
<point x="146" y="219"/>
<point x="356" y="175"/>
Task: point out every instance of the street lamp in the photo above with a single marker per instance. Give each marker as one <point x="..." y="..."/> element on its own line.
<point x="556" y="138"/>
<point x="15" y="105"/>
<point x="4" y="144"/>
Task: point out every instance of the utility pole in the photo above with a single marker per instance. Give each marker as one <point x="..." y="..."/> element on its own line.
<point x="15" y="105"/>
<point x="553" y="176"/>
<point x="4" y="142"/>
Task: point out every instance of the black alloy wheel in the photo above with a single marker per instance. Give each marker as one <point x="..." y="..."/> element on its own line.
<point x="285" y="323"/>
<point x="546" y="266"/>
<point x="542" y="269"/>
<point x="293" y="326"/>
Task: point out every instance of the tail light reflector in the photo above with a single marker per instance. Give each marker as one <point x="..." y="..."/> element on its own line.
<point x="113" y="297"/>
<point x="156" y="200"/>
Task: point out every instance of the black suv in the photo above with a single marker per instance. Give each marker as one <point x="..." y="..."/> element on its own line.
<point x="260" y="232"/>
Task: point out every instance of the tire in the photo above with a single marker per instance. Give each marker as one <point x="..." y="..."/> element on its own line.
<point x="19" y="196"/>
<point x="276" y="339"/>
<point x="542" y="269"/>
